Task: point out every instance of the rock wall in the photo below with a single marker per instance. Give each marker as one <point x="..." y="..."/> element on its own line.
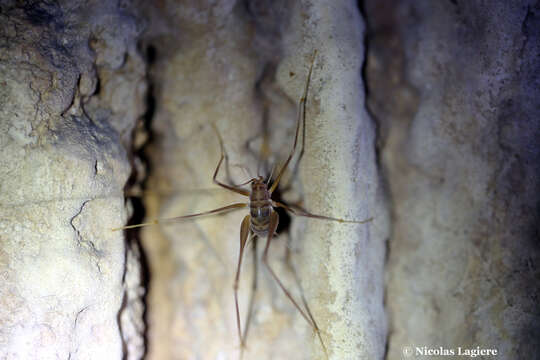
<point x="242" y="66"/>
<point x="71" y="89"/>
<point x="454" y="86"/>
<point x="339" y="177"/>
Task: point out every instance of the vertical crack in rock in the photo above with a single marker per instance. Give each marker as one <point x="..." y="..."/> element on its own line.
<point x="132" y="313"/>
<point x="87" y="244"/>
<point x="121" y="312"/>
<point x="80" y="239"/>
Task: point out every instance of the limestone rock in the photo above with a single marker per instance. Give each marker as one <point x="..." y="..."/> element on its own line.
<point x="64" y="131"/>
<point x="455" y="88"/>
<point x="238" y="67"/>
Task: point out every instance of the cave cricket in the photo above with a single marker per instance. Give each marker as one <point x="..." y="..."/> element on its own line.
<point x="262" y="220"/>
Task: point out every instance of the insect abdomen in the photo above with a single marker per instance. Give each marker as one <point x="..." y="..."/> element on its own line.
<point x="260" y="209"/>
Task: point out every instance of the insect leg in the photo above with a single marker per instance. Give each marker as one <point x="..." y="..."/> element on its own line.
<point x="244" y="233"/>
<point x="253" y="288"/>
<point x="304" y="301"/>
<point x="179" y="218"/>
<point x="301" y="115"/>
<point x="274" y="220"/>
<point x="299" y="212"/>
<point x="214" y="178"/>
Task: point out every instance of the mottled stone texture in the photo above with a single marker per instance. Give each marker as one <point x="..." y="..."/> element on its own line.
<point x="71" y="89"/>
<point x="243" y="66"/>
<point x="342" y="263"/>
<point x="455" y="87"/>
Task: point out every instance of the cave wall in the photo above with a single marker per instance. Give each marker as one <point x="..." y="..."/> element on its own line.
<point x="71" y="89"/>
<point x="454" y="88"/>
<point x="76" y="79"/>
<point x="452" y="94"/>
<point x="242" y="66"/>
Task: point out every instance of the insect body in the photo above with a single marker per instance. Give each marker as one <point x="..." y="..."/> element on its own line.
<point x="262" y="220"/>
<point x="260" y="207"/>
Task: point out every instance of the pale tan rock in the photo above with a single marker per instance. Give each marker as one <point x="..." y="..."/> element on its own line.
<point x="208" y="62"/>
<point x="62" y="173"/>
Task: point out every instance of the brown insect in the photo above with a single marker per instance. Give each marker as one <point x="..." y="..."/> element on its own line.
<point x="262" y="220"/>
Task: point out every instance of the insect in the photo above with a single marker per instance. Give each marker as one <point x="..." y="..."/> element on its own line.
<point x="262" y="220"/>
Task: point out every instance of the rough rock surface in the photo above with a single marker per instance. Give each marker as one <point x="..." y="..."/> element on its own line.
<point x="230" y="64"/>
<point x="455" y="87"/>
<point x="71" y="89"/>
<point x="342" y="264"/>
